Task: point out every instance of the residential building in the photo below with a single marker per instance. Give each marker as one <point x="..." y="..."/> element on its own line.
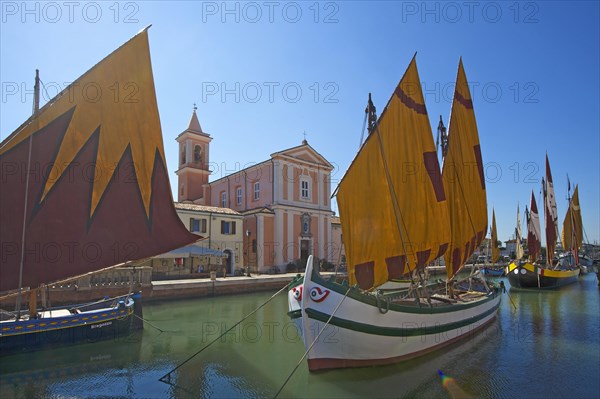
<point x="222" y="231"/>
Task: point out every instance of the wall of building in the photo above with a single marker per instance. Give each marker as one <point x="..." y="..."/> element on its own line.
<point x="215" y="239"/>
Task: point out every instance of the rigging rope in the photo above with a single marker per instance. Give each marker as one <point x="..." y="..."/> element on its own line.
<point x="152" y="325"/>
<point x="167" y="377"/>
<point x="362" y="134"/>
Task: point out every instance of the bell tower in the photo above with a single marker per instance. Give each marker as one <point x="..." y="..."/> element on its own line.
<point x="193" y="172"/>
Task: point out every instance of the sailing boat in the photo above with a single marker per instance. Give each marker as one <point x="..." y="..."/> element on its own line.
<point x="394" y="223"/>
<point x="534" y="240"/>
<point x="529" y="274"/>
<point x="494" y="271"/>
<point x="86" y="188"/>
<point x="572" y="235"/>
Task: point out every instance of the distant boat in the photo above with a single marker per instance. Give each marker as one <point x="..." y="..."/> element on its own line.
<point x="572" y="236"/>
<point x="532" y="275"/>
<point x="102" y="200"/>
<point x="493" y="270"/>
<point x="395" y="223"/>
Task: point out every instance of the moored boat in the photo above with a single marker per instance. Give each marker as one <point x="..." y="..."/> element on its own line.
<point x="394" y="224"/>
<point x="88" y="322"/>
<point x="493" y="270"/>
<point x="529" y="274"/>
<point x="102" y="201"/>
<point x="572" y="235"/>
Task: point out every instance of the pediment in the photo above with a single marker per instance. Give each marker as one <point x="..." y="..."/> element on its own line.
<point x="303" y="153"/>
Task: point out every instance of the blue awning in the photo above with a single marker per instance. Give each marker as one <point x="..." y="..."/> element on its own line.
<point x="192" y="250"/>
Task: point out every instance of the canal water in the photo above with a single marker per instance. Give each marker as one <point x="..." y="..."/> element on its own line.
<point x="542" y="345"/>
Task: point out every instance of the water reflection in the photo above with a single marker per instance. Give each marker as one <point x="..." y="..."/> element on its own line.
<point x="525" y="352"/>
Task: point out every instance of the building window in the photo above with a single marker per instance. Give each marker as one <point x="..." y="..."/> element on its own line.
<point x="256" y="190"/>
<point x="228" y="228"/>
<point x="198" y="225"/>
<point x="238" y="193"/>
<point x="223" y="199"/>
<point x="197" y="154"/>
<point x="183" y="154"/>
<point x="305" y="189"/>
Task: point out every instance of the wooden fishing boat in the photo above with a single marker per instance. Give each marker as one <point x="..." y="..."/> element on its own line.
<point x="102" y="200"/>
<point x="530" y="274"/>
<point x="394" y="224"/>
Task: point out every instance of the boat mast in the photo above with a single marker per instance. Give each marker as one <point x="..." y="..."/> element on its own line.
<point x="36" y="110"/>
<point x="442" y="139"/>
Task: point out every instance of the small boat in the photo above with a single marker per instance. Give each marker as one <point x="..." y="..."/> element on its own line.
<point x="572" y="236"/>
<point x="103" y="200"/>
<point x="530" y="275"/>
<point x="493" y="270"/>
<point x="87" y="322"/>
<point x="394" y="224"/>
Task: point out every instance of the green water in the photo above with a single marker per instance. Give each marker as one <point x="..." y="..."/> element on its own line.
<point x="548" y="347"/>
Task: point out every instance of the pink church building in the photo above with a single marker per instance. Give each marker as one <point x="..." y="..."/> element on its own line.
<point x="284" y="200"/>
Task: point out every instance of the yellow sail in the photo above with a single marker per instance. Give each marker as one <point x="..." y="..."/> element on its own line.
<point x="572" y="234"/>
<point x="117" y="99"/>
<point x="102" y="183"/>
<point x="392" y="202"/>
<point x="463" y="179"/>
<point x="495" y="249"/>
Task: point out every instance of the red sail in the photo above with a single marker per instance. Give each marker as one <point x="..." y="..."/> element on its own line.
<point x="96" y="184"/>
<point x="551" y="214"/>
<point x="534" y="232"/>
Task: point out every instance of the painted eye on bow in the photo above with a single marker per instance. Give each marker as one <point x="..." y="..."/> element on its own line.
<point x="318" y="295"/>
<point x="297" y="292"/>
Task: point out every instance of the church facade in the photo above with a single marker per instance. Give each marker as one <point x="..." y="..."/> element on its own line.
<point x="284" y="200"/>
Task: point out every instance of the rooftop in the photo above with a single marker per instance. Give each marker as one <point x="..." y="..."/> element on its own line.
<point x="190" y="206"/>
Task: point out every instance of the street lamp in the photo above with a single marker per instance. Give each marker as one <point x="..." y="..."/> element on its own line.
<point x="248" y="233"/>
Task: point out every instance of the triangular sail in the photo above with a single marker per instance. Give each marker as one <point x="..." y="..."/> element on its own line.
<point x="550" y="214"/>
<point x="534" y="235"/>
<point x="392" y="202"/>
<point x="463" y="179"/>
<point x="572" y="234"/>
<point x="494" y="243"/>
<point x="519" y="252"/>
<point x="98" y="192"/>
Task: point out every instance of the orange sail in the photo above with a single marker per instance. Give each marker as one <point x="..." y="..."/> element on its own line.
<point x="572" y="234"/>
<point x="495" y="249"/>
<point x="392" y="202"/>
<point x="85" y="183"/>
<point x="464" y="180"/>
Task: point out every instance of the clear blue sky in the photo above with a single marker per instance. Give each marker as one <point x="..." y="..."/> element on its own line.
<point x="263" y="73"/>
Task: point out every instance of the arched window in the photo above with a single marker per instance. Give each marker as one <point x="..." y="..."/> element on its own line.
<point x="183" y="154"/>
<point x="197" y="154"/>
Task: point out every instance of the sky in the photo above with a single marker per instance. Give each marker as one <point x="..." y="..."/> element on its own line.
<point x="264" y="75"/>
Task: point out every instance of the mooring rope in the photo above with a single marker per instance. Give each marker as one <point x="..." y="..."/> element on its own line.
<point x="167" y="377"/>
<point x="152" y="325"/>
<point x="312" y="344"/>
<point x="503" y="287"/>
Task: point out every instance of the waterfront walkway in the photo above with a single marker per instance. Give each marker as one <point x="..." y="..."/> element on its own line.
<point x="202" y="287"/>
